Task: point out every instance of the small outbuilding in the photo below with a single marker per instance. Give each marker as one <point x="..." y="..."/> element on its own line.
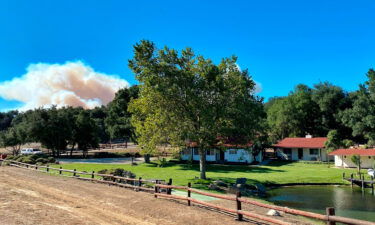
<point x="302" y="148"/>
<point x="343" y="157"/>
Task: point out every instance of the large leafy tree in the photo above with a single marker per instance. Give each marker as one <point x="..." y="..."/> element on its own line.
<point x="99" y="114"/>
<point x="118" y="119"/>
<point x="331" y="100"/>
<point x="295" y="115"/>
<point x="14" y="137"/>
<point x="184" y="97"/>
<point x="361" y="116"/>
<point x="51" y="127"/>
<point x="86" y="131"/>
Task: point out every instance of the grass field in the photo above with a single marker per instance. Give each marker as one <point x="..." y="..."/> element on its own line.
<point x="276" y="173"/>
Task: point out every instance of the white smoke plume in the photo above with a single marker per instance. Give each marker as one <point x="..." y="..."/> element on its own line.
<point x="70" y="84"/>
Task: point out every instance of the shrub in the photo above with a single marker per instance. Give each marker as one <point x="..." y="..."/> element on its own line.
<point x="42" y="161"/>
<point x="117" y="172"/>
<point x="162" y="162"/>
<point x="51" y="160"/>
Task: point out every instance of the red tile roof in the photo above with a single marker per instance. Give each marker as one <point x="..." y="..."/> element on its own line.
<point x="317" y="142"/>
<point x="354" y="151"/>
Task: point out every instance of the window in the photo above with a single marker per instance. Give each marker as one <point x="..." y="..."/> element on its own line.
<point x="232" y="152"/>
<point x="196" y="151"/>
<point x="314" y="151"/>
<point x="287" y="151"/>
<point x="210" y="152"/>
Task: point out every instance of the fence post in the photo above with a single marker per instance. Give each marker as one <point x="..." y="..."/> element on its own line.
<point x="60" y="170"/>
<point x="351" y="180"/>
<point x="239" y="216"/>
<point x="47" y="168"/>
<point x="92" y="174"/>
<point x="139" y="183"/>
<point x="189" y="193"/>
<point x="74" y="173"/>
<point x="169" y="190"/>
<point x="330" y="211"/>
<point x="156" y="188"/>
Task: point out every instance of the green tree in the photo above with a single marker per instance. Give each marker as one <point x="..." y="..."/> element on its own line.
<point x="331" y="100"/>
<point x="99" y="114"/>
<point x="361" y="116"/>
<point x="184" y="97"/>
<point x="333" y="141"/>
<point x="6" y="119"/>
<point x="86" y="132"/>
<point x="295" y="115"/>
<point x="14" y="137"/>
<point x="51" y="127"/>
<point x="118" y="120"/>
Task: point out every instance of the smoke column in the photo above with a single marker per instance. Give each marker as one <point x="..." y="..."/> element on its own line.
<point x="70" y="84"/>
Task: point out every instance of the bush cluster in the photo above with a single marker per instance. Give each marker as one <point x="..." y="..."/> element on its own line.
<point x="117" y="172"/>
<point x="39" y="159"/>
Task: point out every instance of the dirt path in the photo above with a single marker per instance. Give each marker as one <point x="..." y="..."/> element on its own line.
<point x="29" y="197"/>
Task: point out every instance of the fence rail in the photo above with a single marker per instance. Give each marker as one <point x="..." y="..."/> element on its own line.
<point x="156" y="187"/>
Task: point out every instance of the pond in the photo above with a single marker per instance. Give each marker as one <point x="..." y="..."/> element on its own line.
<point x="347" y="202"/>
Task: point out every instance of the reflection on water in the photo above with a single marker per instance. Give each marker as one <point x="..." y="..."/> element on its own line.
<point x="347" y="202"/>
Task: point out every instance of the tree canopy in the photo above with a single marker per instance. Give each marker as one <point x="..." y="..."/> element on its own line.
<point x="185" y="97"/>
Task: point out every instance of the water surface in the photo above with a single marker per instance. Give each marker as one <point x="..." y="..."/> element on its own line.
<point x="347" y="202"/>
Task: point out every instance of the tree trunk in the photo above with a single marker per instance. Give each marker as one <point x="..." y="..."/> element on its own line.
<point x="147" y="158"/>
<point x="202" y="163"/>
<point x="71" y="150"/>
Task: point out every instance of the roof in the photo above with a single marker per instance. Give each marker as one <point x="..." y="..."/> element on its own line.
<point x="354" y="151"/>
<point x="316" y="142"/>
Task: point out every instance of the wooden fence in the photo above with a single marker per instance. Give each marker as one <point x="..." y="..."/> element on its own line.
<point x="157" y="187"/>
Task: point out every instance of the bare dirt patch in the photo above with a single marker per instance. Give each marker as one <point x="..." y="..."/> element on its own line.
<point x="29" y="197"/>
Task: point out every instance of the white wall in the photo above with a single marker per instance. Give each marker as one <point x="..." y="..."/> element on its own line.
<point x="241" y="155"/>
<point x="345" y="161"/>
<point x="322" y="155"/>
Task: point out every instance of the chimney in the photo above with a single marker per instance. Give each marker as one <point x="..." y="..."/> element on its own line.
<point x="309" y="136"/>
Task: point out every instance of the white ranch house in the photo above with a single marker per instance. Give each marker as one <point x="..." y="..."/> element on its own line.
<point x="308" y="148"/>
<point x="230" y="154"/>
<point x="343" y="157"/>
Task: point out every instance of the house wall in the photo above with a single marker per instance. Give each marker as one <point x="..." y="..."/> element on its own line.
<point x="241" y="155"/>
<point x="187" y="155"/>
<point x="345" y="161"/>
<point x="322" y="154"/>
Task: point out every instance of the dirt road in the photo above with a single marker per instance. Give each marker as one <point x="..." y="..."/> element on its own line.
<point x="29" y="197"/>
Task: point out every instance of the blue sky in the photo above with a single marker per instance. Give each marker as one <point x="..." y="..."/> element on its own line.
<point x="282" y="43"/>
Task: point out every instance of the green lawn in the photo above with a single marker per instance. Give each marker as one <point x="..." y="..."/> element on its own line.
<point x="274" y="173"/>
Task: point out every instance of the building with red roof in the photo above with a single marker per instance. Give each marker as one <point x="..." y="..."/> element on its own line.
<point x="343" y="157"/>
<point x="302" y="148"/>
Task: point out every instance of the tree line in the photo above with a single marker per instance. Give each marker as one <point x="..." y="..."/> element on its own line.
<point x="77" y="128"/>
<point x="183" y="97"/>
<point x="325" y="110"/>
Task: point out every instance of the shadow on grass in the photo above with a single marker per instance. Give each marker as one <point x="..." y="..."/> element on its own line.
<point x="230" y="168"/>
<point x="280" y="163"/>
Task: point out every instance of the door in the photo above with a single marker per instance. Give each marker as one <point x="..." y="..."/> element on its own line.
<point x="300" y="153"/>
<point x="222" y="155"/>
